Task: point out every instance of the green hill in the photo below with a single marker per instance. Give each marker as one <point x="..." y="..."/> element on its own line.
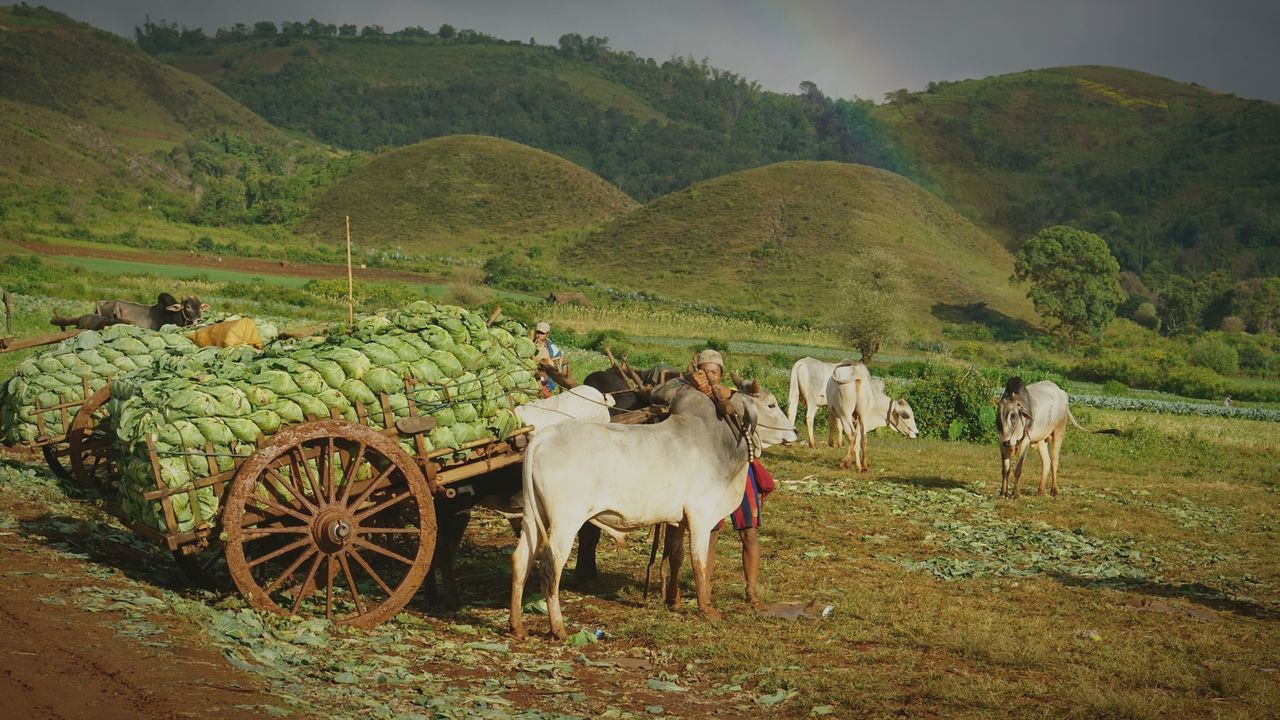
<point x="783" y="238"/>
<point x="648" y="127"/>
<point x="1165" y="172"/>
<point x="91" y="127"/>
<point x="446" y="194"/>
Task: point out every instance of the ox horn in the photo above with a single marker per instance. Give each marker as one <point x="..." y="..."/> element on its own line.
<point x="737" y="381"/>
<point x="755" y="387"/>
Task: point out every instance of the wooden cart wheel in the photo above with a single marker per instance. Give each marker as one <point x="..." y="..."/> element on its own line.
<point x="330" y="517"/>
<point x="56" y="456"/>
<point x="92" y="463"/>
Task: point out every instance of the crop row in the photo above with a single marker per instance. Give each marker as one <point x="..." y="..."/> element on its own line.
<point x="1110" y="402"/>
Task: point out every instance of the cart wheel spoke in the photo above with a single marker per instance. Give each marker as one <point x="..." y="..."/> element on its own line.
<point x="394" y="500"/>
<point x="365" y="530"/>
<point x="291" y="488"/>
<point x="289" y="571"/>
<point x="277" y="553"/>
<point x="370" y="571"/>
<point x="298" y="457"/>
<point x="382" y="551"/>
<point x="331" y="487"/>
<point x="328" y="587"/>
<point x="373" y="484"/>
<point x="349" y="478"/>
<point x="306" y="583"/>
<point x="351" y="582"/>
<point x="273" y="505"/>
<point x="260" y="533"/>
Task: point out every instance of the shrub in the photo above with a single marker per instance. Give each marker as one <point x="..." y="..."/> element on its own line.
<point x="615" y="340"/>
<point x="467" y="295"/>
<point x="954" y="403"/>
<point x="1146" y="316"/>
<point x="780" y="360"/>
<point x="1113" y="387"/>
<point x="1214" y="353"/>
<point x="907" y="369"/>
<point x="1232" y="324"/>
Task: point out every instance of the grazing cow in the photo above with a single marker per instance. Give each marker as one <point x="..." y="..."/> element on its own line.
<point x="91" y="321"/>
<point x="809" y="378"/>
<point x="858" y="405"/>
<point x="688" y="469"/>
<point x="502" y="494"/>
<point x="1026" y="415"/>
<point x="166" y="311"/>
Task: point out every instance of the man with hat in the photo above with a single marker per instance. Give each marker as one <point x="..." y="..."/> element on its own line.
<point x="746" y="519"/>
<point x="549" y="353"/>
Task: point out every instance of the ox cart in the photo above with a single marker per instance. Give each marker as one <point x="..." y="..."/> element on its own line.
<point x="72" y="451"/>
<point x="328" y="517"/>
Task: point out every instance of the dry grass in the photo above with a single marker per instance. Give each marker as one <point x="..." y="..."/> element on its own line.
<point x="1196" y="495"/>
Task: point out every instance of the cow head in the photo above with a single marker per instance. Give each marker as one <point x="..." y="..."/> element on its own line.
<point x="1013" y="413"/>
<point x="768" y="422"/>
<point x="902" y="419"/>
<point x="191" y="308"/>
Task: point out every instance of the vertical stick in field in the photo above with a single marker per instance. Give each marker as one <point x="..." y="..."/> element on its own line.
<point x="351" y="292"/>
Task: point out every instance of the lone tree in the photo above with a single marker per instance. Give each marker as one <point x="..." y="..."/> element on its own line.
<point x="1074" y="279"/>
<point x="871" y="314"/>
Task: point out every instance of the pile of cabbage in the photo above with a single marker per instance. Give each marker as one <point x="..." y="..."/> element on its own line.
<point x="214" y="403"/>
<point x="57" y="375"/>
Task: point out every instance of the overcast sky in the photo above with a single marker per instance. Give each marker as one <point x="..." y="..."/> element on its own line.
<point x="847" y="47"/>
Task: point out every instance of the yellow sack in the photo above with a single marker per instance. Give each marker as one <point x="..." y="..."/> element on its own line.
<point x="228" y="333"/>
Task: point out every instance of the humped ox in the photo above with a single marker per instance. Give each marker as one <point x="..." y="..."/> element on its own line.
<point x="809" y="378"/>
<point x="1026" y="415"/>
<point x="688" y="469"/>
<point x="166" y="311"/>
<point x="858" y="405"/>
<point x="502" y="488"/>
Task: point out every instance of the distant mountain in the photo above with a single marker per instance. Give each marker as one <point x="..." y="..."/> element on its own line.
<point x="1167" y="173"/>
<point x="447" y="195"/>
<point x="648" y="127"/>
<point x="784" y="238"/>
<point x="85" y="112"/>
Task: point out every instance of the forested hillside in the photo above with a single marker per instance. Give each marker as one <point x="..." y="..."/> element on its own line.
<point x="91" y="126"/>
<point x="1175" y="177"/>
<point x="649" y="127"/>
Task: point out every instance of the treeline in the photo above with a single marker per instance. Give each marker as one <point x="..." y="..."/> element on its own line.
<point x="713" y="121"/>
<point x="164" y="36"/>
<point x="241" y="180"/>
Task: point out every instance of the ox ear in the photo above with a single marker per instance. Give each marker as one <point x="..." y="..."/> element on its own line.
<point x="204" y="307"/>
<point x="176" y="307"/>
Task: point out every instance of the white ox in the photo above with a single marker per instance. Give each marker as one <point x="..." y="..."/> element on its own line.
<point x="809" y="378"/>
<point x="583" y="403"/>
<point x="689" y="469"/>
<point x="859" y="404"/>
<point x="1026" y="415"/>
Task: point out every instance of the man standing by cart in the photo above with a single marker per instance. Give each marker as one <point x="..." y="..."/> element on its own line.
<point x="746" y="519"/>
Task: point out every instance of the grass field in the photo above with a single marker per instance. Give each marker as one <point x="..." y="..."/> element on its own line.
<point x="1148" y="589"/>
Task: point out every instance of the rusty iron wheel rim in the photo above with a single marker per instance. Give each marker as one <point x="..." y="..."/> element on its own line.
<point x="55" y="456"/>
<point x="93" y="464"/>
<point x="330" y="518"/>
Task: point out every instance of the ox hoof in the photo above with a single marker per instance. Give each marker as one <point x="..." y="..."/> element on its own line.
<point x="712" y="614"/>
<point x="518" y="633"/>
<point x="559" y="634"/>
<point x="844" y="464"/>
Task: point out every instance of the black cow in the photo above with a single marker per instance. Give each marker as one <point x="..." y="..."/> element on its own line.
<point x="92" y="321"/>
<point x="166" y="311"/>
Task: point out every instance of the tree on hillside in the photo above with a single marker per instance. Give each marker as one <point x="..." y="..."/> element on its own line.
<point x="872" y="314"/>
<point x="1074" y="279"/>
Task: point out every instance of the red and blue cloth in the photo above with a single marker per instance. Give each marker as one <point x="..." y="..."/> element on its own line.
<point x="759" y="484"/>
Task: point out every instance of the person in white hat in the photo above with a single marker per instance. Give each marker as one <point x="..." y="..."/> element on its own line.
<point x="759" y="483"/>
<point x="549" y="353"/>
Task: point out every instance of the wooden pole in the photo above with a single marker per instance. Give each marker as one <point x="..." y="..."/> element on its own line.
<point x="351" y="287"/>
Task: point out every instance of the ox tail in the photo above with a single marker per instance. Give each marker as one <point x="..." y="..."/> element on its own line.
<point x="534" y="528"/>
<point x="1104" y="431"/>
<point x="63" y="322"/>
<point x="793" y="394"/>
